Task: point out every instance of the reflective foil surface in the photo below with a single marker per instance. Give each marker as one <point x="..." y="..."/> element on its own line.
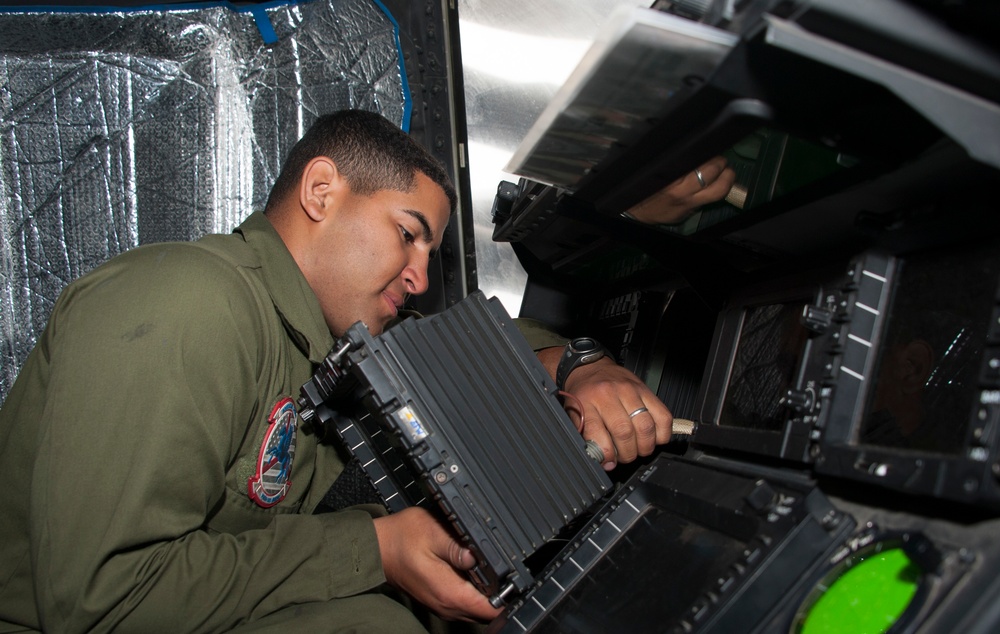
<point x="124" y="128"/>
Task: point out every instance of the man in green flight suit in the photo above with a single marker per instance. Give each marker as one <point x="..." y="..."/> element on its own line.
<point x="155" y="478"/>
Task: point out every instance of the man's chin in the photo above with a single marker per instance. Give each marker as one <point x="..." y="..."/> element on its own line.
<point x="375" y="330"/>
<point x="386" y="325"/>
<point x="377" y="327"/>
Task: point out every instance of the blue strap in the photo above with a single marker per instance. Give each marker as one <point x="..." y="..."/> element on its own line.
<point x="259" y="12"/>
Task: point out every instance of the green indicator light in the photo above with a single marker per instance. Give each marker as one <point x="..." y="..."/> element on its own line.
<point x="867" y="598"/>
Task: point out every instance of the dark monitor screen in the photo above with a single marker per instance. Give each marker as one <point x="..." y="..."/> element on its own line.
<point x="605" y="599"/>
<point x="771" y="343"/>
<point x="929" y="358"/>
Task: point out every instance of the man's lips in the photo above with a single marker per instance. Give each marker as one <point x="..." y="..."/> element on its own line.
<point x="394" y="302"/>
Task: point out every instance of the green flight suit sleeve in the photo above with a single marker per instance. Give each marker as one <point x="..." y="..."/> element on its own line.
<point x="539" y="335"/>
<point x="153" y="377"/>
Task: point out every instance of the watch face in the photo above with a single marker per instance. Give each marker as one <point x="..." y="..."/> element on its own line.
<point x="580" y="351"/>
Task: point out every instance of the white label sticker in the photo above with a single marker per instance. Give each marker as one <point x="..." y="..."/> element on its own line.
<point x="410" y="423"/>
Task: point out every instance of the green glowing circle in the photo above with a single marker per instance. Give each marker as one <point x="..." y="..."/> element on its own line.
<point x="867" y="598"/>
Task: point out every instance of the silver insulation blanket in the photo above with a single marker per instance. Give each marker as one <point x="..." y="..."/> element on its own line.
<point x="125" y="128"/>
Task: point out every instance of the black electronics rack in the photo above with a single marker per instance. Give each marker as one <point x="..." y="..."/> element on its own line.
<point x="477" y="420"/>
<point x="954" y="453"/>
<point x="396" y="485"/>
<point x="739" y="541"/>
<point x="814" y="330"/>
<point x="837" y="336"/>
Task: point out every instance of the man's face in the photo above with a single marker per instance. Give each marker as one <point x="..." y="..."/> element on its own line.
<point x="376" y="253"/>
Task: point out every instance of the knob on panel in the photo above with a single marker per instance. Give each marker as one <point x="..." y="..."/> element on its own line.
<point x="799" y="400"/>
<point x="817" y="319"/>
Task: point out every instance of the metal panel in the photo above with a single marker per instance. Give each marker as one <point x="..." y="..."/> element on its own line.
<point x="515" y="56"/>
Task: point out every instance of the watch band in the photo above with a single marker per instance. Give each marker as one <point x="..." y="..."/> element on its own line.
<point x="579" y="351"/>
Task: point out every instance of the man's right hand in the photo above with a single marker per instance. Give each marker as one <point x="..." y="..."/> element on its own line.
<point x="678" y="200"/>
<point x="421" y="557"/>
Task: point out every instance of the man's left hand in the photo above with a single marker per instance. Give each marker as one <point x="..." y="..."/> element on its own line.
<point x="620" y="413"/>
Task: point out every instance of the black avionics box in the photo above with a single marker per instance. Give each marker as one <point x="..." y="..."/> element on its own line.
<point x="456" y="409"/>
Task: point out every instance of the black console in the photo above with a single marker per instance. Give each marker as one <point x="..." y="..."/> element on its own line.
<point x="832" y="326"/>
<point x="884" y="373"/>
<point x="723" y="532"/>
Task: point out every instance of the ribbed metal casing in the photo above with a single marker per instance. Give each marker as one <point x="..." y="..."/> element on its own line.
<point x="478" y="417"/>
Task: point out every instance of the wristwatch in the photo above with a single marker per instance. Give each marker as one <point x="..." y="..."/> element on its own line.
<point x="579" y="351"/>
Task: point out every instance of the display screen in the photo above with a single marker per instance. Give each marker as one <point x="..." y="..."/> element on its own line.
<point x="771" y="343"/>
<point x="927" y="369"/>
<point x="605" y="599"/>
<point x="870" y="592"/>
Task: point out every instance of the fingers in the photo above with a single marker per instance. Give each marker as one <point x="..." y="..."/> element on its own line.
<point x="712" y="169"/>
<point x="707" y="183"/>
<point x="631" y="427"/>
<point x="421" y="557"/>
<point x="461" y="600"/>
<point x="663" y="422"/>
<point x="460" y="558"/>
<point x="718" y="180"/>
<point x="620" y="413"/>
<point x="598" y="432"/>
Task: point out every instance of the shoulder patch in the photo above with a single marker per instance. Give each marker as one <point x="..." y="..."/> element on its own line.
<point x="270" y="483"/>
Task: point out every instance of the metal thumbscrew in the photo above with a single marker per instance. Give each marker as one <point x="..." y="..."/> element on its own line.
<point x="595" y="452"/>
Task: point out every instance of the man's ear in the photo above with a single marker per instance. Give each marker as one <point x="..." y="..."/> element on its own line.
<point x="319" y="183"/>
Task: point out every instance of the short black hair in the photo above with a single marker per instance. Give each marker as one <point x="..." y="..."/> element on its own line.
<point x="370" y="152"/>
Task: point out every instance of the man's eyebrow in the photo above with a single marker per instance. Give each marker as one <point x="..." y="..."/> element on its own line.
<point x="427" y="234"/>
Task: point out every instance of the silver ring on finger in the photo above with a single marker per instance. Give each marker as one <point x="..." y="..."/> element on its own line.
<point x="701" y="179"/>
<point x="637" y="412"/>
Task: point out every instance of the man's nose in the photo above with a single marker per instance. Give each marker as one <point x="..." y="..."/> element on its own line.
<point x="415" y="275"/>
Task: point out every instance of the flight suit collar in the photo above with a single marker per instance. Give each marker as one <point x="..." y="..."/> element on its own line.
<point x="292" y="296"/>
